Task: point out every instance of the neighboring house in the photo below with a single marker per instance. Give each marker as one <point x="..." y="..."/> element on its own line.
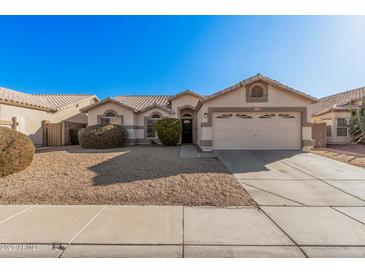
<point x="334" y="111"/>
<point x="30" y="110"/>
<point x="257" y="113"/>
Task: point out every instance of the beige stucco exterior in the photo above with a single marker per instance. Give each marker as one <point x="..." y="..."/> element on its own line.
<point x="136" y="122"/>
<point x="235" y="100"/>
<point x="277" y="99"/>
<point x="184" y="101"/>
<point x="30" y="119"/>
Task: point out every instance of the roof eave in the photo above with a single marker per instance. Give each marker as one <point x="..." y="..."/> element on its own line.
<point x="105" y="101"/>
<point x="155" y="106"/>
<point x="185" y="92"/>
<point x="30" y="106"/>
<point x="329" y="111"/>
<point x="261" y="77"/>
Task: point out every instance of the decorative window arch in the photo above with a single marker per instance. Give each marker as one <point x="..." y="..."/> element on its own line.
<point x="187" y="115"/>
<point x="257" y="92"/>
<point x="110" y="116"/>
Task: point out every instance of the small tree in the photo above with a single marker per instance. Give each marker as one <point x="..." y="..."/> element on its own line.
<point x="168" y="131"/>
<point x="357" y="123"/>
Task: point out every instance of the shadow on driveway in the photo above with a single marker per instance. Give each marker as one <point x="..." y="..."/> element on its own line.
<point x="247" y="161"/>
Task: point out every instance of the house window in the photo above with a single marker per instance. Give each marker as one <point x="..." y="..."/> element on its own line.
<point x="267" y="116"/>
<point x="108" y="118"/>
<point x="341" y="127"/>
<point x="329" y="131"/>
<point x="224" y="116"/>
<point x="151" y="132"/>
<point x="286" y="116"/>
<point x="243" y="116"/>
<point x="257" y="91"/>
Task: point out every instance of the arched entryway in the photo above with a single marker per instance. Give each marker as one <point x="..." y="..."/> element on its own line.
<point x="187" y="124"/>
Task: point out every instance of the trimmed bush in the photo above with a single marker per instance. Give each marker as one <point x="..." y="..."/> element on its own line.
<point x="168" y="131"/>
<point x="102" y="136"/>
<point x="16" y="151"/>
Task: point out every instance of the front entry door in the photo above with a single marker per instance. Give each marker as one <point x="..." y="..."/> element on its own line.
<point x="187" y="131"/>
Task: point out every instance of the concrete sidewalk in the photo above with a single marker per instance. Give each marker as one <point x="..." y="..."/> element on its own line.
<point x="175" y="231"/>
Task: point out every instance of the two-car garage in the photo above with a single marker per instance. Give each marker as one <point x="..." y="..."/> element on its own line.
<point x="257" y="130"/>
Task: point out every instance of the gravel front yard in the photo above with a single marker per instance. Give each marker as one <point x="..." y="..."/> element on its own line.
<point x="135" y="175"/>
<point x="351" y="154"/>
<point x="358" y="149"/>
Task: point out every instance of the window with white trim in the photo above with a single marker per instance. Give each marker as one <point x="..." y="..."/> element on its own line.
<point x="108" y="118"/>
<point x="341" y="127"/>
<point x="150" y="126"/>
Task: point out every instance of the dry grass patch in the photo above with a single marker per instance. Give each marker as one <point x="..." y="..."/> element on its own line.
<point x="139" y="175"/>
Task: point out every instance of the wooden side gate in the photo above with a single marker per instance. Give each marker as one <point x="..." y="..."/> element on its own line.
<point x="52" y="134"/>
<point x="58" y="134"/>
<point x="319" y="135"/>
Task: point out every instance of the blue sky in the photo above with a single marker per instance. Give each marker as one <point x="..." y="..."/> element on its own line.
<point x="116" y="55"/>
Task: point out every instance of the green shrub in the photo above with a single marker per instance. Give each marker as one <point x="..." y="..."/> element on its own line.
<point x="168" y="131"/>
<point x="16" y="151"/>
<point x="102" y="136"/>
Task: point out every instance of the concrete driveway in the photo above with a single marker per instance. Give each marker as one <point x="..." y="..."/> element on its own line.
<point x="319" y="203"/>
<point x="277" y="178"/>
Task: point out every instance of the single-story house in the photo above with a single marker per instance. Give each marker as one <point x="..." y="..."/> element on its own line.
<point x="334" y="111"/>
<point x="25" y="112"/>
<point x="257" y="113"/>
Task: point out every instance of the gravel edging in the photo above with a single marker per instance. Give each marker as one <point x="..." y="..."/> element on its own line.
<point x="345" y="157"/>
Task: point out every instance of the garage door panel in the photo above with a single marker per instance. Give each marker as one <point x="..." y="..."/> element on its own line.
<point x="275" y="132"/>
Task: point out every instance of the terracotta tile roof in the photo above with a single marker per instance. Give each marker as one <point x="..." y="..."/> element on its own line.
<point x="49" y="102"/>
<point x="345" y="97"/>
<point x="142" y="102"/>
<point x="12" y="96"/>
<point x="62" y="101"/>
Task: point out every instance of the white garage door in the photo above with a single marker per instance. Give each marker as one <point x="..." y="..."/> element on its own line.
<point x="257" y="130"/>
